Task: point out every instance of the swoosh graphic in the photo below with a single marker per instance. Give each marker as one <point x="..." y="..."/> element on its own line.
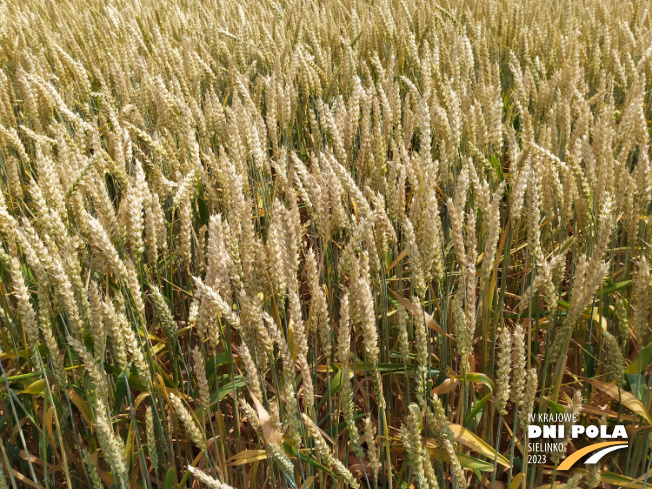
<point x="569" y="461"/>
<point x="595" y="458"/>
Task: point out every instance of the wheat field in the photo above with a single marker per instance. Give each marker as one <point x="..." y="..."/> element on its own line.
<point x="311" y="244"/>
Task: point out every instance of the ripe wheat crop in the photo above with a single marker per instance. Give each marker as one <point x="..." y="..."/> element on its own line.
<point x="322" y="244"/>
